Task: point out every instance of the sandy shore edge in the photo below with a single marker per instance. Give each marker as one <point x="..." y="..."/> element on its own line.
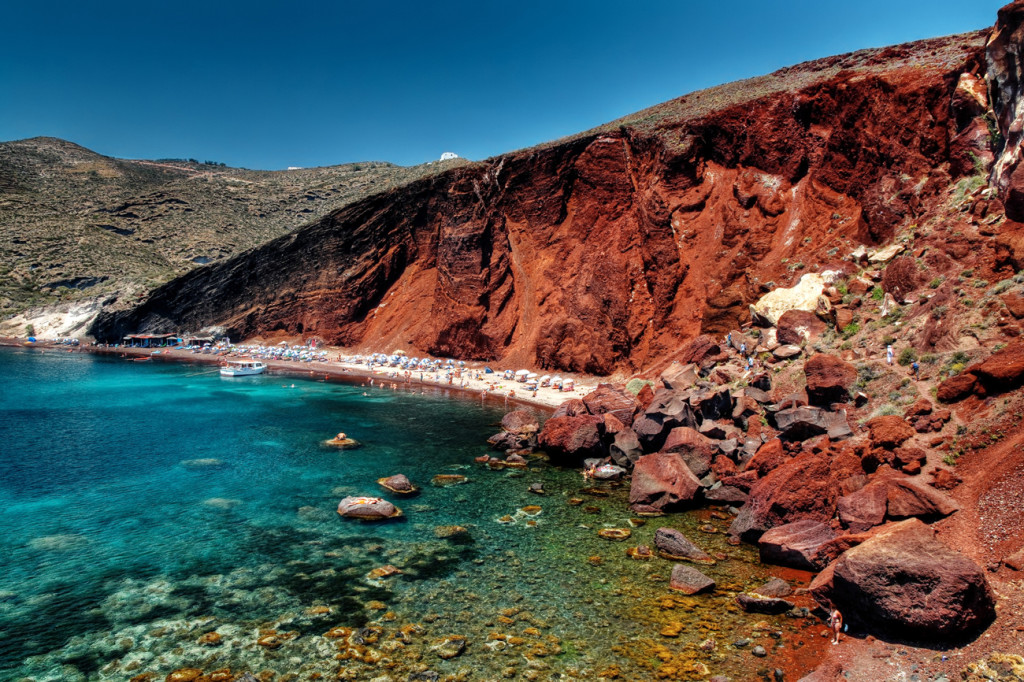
<point x="489" y="388"/>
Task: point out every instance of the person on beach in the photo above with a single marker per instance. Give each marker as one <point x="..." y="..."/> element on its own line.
<point x="835" y="622"/>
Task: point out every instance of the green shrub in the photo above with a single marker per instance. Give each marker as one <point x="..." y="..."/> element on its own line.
<point x="634" y="386"/>
<point x="935" y="283"/>
<point x="877" y="294"/>
<point x="907" y="356"/>
<point x="1002" y="286"/>
<point x="850" y="329"/>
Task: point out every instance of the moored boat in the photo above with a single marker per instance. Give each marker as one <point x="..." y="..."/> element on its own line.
<point x="242" y="368"/>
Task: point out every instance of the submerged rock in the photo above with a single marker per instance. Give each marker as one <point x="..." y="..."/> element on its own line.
<point x="368" y="508"/>
<point x="689" y="580"/>
<point x="672" y="544"/>
<point x="398" y="483"/>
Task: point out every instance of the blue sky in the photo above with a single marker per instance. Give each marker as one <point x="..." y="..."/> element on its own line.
<point x="274" y="84"/>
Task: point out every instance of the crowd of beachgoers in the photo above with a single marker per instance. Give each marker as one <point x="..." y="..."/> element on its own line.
<point x="386" y="370"/>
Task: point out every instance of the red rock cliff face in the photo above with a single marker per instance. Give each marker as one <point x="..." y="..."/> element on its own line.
<point x="606" y="252"/>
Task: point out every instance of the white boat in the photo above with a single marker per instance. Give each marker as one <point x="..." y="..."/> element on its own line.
<point x="242" y="368"/>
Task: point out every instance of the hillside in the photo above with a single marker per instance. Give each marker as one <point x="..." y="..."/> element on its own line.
<point x="76" y="224"/>
<point x="604" y="252"/>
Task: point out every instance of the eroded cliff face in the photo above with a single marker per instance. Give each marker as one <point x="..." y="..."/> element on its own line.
<point x="606" y="252"/>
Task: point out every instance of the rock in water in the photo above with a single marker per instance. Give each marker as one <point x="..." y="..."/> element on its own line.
<point x="367" y="508"/>
<point x="672" y="544"/>
<point x="906" y="583"/>
<point x="399" y="483"/>
<point x="689" y="580"/>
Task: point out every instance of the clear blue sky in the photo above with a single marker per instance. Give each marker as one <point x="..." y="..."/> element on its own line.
<point x="295" y="83"/>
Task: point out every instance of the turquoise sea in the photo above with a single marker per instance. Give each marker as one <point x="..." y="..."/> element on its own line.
<point x="144" y="506"/>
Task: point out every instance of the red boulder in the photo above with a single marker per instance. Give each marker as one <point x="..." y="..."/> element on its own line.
<point x="889" y="431"/>
<point x="904" y="582"/>
<point x="573" y="438"/>
<point x="828" y="379"/>
<point x="662" y="480"/>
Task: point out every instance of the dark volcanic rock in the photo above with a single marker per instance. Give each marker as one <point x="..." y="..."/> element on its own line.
<point x="625" y="448"/>
<point x="801" y="423"/>
<point x="689" y="580"/>
<point x="755" y="603"/>
<point x="662" y="480"/>
<point x="904" y="582"/>
<point x="667" y="411"/>
<point x="795" y="544"/>
<point x="672" y="544"/>
<point x="828" y="379"/>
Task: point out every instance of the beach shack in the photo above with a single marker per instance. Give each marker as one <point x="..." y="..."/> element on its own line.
<point x="150" y="340"/>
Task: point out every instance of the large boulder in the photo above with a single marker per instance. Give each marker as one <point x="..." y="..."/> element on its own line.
<point x="864" y="508"/>
<point x="607" y="399"/>
<point x="912" y="497"/>
<point x="803" y="296"/>
<point x="805" y="487"/>
<point x="806" y="421"/>
<point x="713" y="404"/>
<point x="1003" y="370"/>
<point x="662" y="480"/>
<point x="957" y="388"/>
<point x="889" y="431"/>
<point x="905" y="583"/>
<point x="520" y="421"/>
<point x="667" y="411"/>
<point x="696" y="450"/>
<point x="795" y="544"/>
<point x="680" y="376"/>
<point x="572" y="438"/>
<point x="573" y="407"/>
<point x="828" y="379"/>
<point x="702" y="351"/>
<point x="672" y="544"/>
<point x="797" y="326"/>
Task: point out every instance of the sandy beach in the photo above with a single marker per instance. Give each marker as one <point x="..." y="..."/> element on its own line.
<point x="489" y="387"/>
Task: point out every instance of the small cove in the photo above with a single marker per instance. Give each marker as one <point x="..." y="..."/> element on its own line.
<point x="147" y="504"/>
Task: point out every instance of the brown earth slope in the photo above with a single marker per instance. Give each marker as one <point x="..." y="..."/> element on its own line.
<point x="603" y="252"/>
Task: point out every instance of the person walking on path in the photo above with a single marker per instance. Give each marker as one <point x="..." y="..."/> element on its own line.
<point x="916" y="369"/>
<point x="888" y="354"/>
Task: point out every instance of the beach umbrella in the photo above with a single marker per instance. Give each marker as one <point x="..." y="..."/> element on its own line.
<point x="32" y="339"/>
<point x="522" y="372"/>
<point x="399" y="352"/>
<point x="531" y="375"/>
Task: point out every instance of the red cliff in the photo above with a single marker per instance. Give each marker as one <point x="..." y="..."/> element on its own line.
<point x="605" y="252"/>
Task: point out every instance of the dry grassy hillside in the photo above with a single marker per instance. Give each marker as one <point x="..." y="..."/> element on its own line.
<point x="74" y="223"/>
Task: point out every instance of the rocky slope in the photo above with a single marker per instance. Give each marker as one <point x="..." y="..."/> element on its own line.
<point x="75" y="224"/>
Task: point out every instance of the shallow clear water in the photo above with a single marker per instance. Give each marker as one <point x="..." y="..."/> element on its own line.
<point x="144" y="505"/>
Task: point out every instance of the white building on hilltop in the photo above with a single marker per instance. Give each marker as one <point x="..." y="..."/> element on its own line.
<point x="448" y="156"/>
